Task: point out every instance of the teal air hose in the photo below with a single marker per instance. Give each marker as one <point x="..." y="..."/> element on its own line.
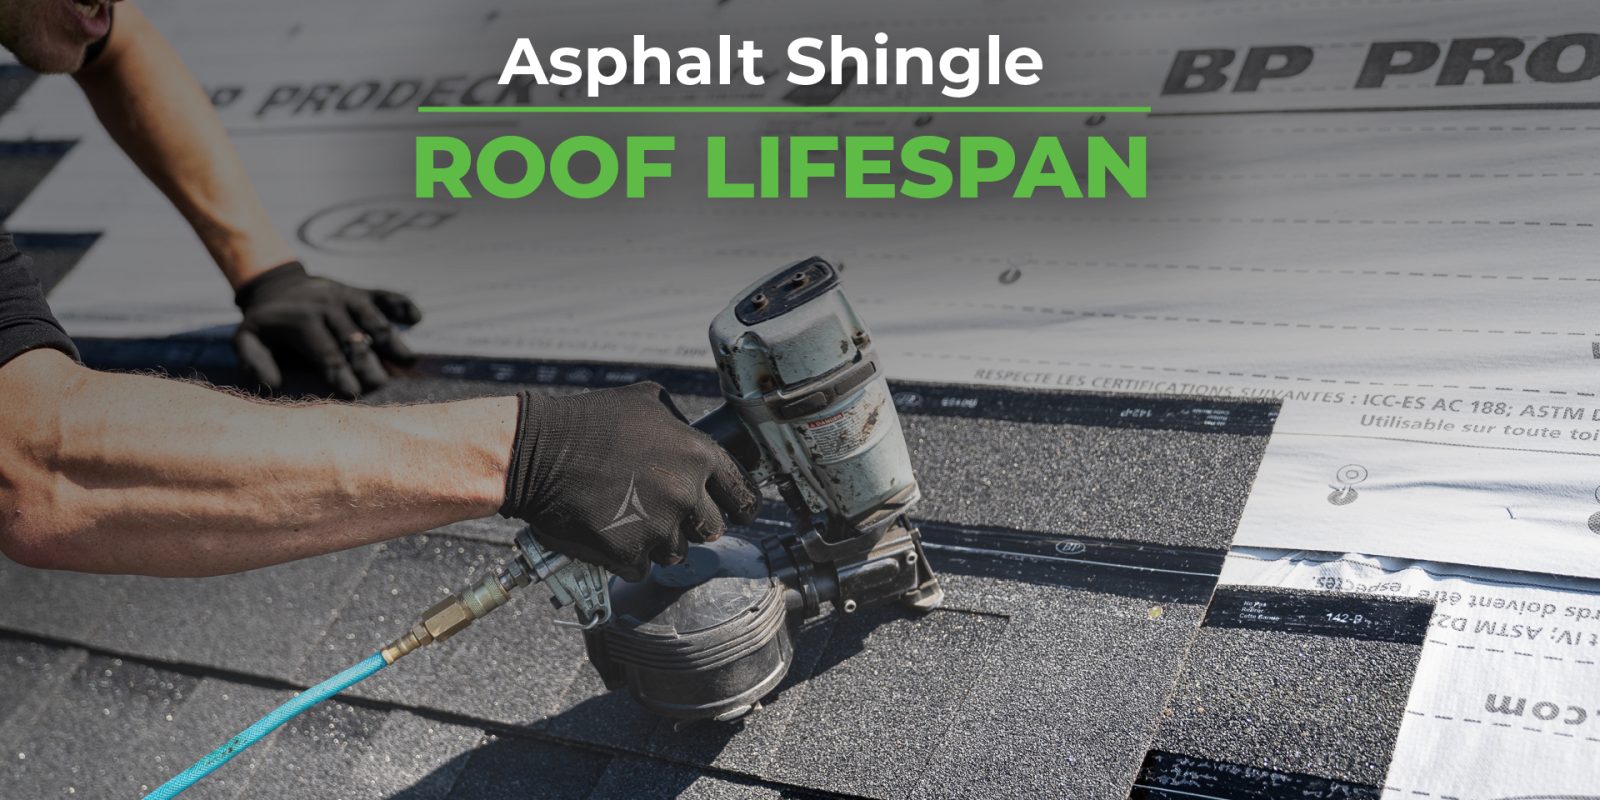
<point x="441" y="622"/>
<point x="267" y="724"/>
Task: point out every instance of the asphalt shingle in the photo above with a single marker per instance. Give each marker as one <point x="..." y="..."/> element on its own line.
<point x="337" y="750"/>
<point x="877" y="705"/>
<point x="1326" y="704"/>
<point x="90" y="738"/>
<point x="516" y="663"/>
<point x="260" y="622"/>
<point x="514" y="769"/>
<point x="1067" y="703"/>
<point x="633" y="778"/>
<point x="1153" y="486"/>
<point x="30" y="673"/>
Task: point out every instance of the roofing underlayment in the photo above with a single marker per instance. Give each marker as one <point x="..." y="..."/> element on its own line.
<point x="1409" y="604"/>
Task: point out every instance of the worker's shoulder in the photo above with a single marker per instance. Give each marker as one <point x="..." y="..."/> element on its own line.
<point x="26" y="322"/>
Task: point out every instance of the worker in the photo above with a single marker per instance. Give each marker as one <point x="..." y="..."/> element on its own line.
<point x="121" y="473"/>
<point x="157" y="113"/>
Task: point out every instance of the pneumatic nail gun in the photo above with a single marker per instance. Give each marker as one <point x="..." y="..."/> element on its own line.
<point x="807" y="412"/>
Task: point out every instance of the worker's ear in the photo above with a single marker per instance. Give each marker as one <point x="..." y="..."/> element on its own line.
<point x="129" y="29"/>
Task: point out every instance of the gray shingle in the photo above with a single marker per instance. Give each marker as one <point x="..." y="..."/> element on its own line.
<point x="515" y="769"/>
<point x="635" y="778"/>
<point x="511" y="667"/>
<point x="1068" y="701"/>
<point x="120" y="728"/>
<point x="33" y="602"/>
<point x="1156" y="486"/>
<point x="29" y="674"/>
<point x="1328" y="706"/>
<point x="260" y="622"/>
<point x="93" y="738"/>
<point x="216" y="710"/>
<point x="877" y="706"/>
<point x="337" y="750"/>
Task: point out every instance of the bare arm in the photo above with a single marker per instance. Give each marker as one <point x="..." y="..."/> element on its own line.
<point x="104" y="472"/>
<point x="160" y="116"/>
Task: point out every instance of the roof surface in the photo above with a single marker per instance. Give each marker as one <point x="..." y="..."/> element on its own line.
<point x="1049" y="673"/>
<point x="1044" y="674"/>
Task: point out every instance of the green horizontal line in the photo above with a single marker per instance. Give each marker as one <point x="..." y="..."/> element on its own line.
<point x="581" y="109"/>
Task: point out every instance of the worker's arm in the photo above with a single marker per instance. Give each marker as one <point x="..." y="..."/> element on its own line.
<point x="104" y="472"/>
<point x="161" y="117"/>
<point x="122" y="473"/>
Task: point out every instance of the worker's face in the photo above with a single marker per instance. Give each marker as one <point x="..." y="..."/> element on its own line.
<point x="51" y="35"/>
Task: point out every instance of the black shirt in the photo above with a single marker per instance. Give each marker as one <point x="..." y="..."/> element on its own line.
<point x="25" y="319"/>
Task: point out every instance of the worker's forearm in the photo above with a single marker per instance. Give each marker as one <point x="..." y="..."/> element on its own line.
<point x="159" y="114"/>
<point x="151" y="476"/>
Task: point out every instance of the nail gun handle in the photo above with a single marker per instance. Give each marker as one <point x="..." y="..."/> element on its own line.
<point x="724" y="426"/>
<point x="583" y="586"/>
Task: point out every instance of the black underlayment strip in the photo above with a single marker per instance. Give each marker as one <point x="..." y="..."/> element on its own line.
<point x="54" y="254"/>
<point x="14" y="80"/>
<point x="23" y="166"/>
<point x="1158" y="573"/>
<point x="1169" y="776"/>
<point x="1343" y="615"/>
<point x="944" y="400"/>
<point x="947" y="400"/>
<point x="1128" y="569"/>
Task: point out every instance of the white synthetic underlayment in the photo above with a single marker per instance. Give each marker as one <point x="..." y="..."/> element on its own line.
<point x="1372" y="269"/>
<point x="1506" y="699"/>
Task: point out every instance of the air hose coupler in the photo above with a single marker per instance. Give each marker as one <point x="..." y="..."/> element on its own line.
<point x="454" y="613"/>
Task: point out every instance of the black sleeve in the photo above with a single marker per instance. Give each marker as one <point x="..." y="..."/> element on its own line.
<point x="25" y="319"/>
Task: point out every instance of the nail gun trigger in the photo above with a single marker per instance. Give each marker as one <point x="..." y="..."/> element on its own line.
<point x="585" y="587"/>
<point x="588" y="590"/>
<point x="600" y="619"/>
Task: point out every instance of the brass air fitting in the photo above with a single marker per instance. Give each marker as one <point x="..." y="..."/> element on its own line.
<point x="452" y="615"/>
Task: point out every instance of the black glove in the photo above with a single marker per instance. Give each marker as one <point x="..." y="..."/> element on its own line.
<point x="339" y="331"/>
<point x="617" y="478"/>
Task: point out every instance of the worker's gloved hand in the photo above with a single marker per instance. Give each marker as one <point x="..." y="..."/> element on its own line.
<point x="617" y="478"/>
<point x="341" y="333"/>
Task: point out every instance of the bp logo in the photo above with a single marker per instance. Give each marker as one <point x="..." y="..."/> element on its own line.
<point x="375" y="227"/>
<point x="1070" y="547"/>
<point x="1344" y="485"/>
